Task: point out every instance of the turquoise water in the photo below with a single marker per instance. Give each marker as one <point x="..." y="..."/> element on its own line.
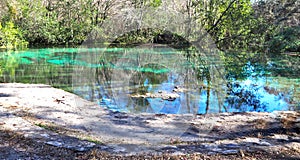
<point x="123" y="78"/>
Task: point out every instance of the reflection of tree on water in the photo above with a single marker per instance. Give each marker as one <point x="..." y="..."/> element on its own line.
<point x="256" y="96"/>
<point x="244" y="99"/>
<point x="158" y="71"/>
<point x="202" y="73"/>
<point x="151" y="68"/>
<point x="255" y="93"/>
<point x="143" y="81"/>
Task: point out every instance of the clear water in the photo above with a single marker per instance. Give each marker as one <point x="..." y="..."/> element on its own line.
<point x="126" y="79"/>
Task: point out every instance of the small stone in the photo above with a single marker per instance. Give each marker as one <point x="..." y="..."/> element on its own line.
<point x="280" y="137"/>
<point x="80" y="149"/>
<point x="228" y="152"/>
<point x="216" y="149"/>
<point x="54" y="143"/>
<point x="256" y="141"/>
<point x="264" y="143"/>
<point x="251" y="140"/>
<point x="170" y="147"/>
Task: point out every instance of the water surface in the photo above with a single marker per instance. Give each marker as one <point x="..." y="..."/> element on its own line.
<point x="126" y="79"/>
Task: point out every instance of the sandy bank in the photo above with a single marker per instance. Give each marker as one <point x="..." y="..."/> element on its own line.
<point x="55" y="117"/>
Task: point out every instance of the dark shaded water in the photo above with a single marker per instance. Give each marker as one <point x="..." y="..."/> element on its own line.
<point x="160" y="79"/>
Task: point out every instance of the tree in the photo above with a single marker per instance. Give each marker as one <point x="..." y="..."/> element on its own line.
<point x="279" y="12"/>
<point x="282" y="17"/>
<point x="58" y="22"/>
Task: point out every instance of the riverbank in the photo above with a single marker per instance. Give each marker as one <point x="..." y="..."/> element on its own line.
<point x="55" y="120"/>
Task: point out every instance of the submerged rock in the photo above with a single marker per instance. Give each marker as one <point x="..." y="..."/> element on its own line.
<point x="160" y="94"/>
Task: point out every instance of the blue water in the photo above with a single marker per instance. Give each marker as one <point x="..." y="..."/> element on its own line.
<point x="110" y="77"/>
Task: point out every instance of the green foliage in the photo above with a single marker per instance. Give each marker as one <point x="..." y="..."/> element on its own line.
<point x="55" y="22"/>
<point x="234" y="25"/>
<point x="229" y="22"/>
<point x="234" y="63"/>
<point x="155" y="3"/>
<point x="286" y="40"/>
<point x="48" y="26"/>
<point x="151" y="35"/>
<point x="11" y="37"/>
<point x="280" y="20"/>
<point x="146" y="3"/>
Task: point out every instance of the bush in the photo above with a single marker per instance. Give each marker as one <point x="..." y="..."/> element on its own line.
<point x="11" y="37"/>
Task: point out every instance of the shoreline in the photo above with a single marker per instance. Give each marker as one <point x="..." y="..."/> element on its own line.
<point x="61" y="119"/>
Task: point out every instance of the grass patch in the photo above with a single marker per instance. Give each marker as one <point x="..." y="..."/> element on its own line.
<point x="91" y="139"/>
<point x="48" y="127"/>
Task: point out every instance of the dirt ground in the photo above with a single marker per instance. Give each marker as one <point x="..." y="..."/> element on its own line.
<point x="15" y="146"/>
<point x="41" y="122"/>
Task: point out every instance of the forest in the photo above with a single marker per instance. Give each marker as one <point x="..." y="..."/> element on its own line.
<point x="264" y="26"/>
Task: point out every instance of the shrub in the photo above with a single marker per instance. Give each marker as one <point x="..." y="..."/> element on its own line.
<point x="11" y="37"/>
